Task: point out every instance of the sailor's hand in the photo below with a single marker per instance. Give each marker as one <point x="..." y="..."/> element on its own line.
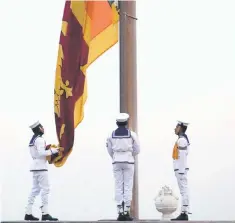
<point x="54" y="150"/>
<point x="48" y="146"/>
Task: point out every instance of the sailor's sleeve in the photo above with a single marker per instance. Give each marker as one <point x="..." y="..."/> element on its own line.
<point x="40" y="145"/>
<point x="182" y="147"/>
<point x="109" y="146"/>
<point x="136" y="144"/>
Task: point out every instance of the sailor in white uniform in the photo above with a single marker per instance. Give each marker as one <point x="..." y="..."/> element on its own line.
<point x="123" y="146"/>
<point x="179" y="156"/>
<point x="39" y="169"/>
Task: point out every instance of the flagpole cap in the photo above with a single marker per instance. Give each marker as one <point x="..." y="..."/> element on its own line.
<point x="122" y="117"/>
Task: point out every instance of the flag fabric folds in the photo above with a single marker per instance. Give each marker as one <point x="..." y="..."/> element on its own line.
<point x="89" y="28"/>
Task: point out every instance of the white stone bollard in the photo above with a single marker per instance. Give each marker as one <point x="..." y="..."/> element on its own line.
<point x="166" y="202"/>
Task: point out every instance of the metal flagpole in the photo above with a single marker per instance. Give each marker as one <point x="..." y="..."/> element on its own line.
<point x="128" y="79"/>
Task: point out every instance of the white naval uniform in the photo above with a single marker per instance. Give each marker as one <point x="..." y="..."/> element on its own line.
<point x="39" y="169"/>
<point x="123" y="146"/>
<point x="181" y="170"/>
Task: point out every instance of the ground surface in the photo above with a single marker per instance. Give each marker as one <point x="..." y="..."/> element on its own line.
<point x="140" y="221"/>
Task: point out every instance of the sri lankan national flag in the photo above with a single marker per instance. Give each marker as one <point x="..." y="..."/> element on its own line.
<point x="89" y="28"/>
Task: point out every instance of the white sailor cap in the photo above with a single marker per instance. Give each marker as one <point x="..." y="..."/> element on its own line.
<point x="34" y="125"/>
<point x="182" y="123"/>
<point x="122" y="117"/>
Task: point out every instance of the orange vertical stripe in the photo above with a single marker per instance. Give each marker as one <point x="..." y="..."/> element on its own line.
<point x="100" y="14"/>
